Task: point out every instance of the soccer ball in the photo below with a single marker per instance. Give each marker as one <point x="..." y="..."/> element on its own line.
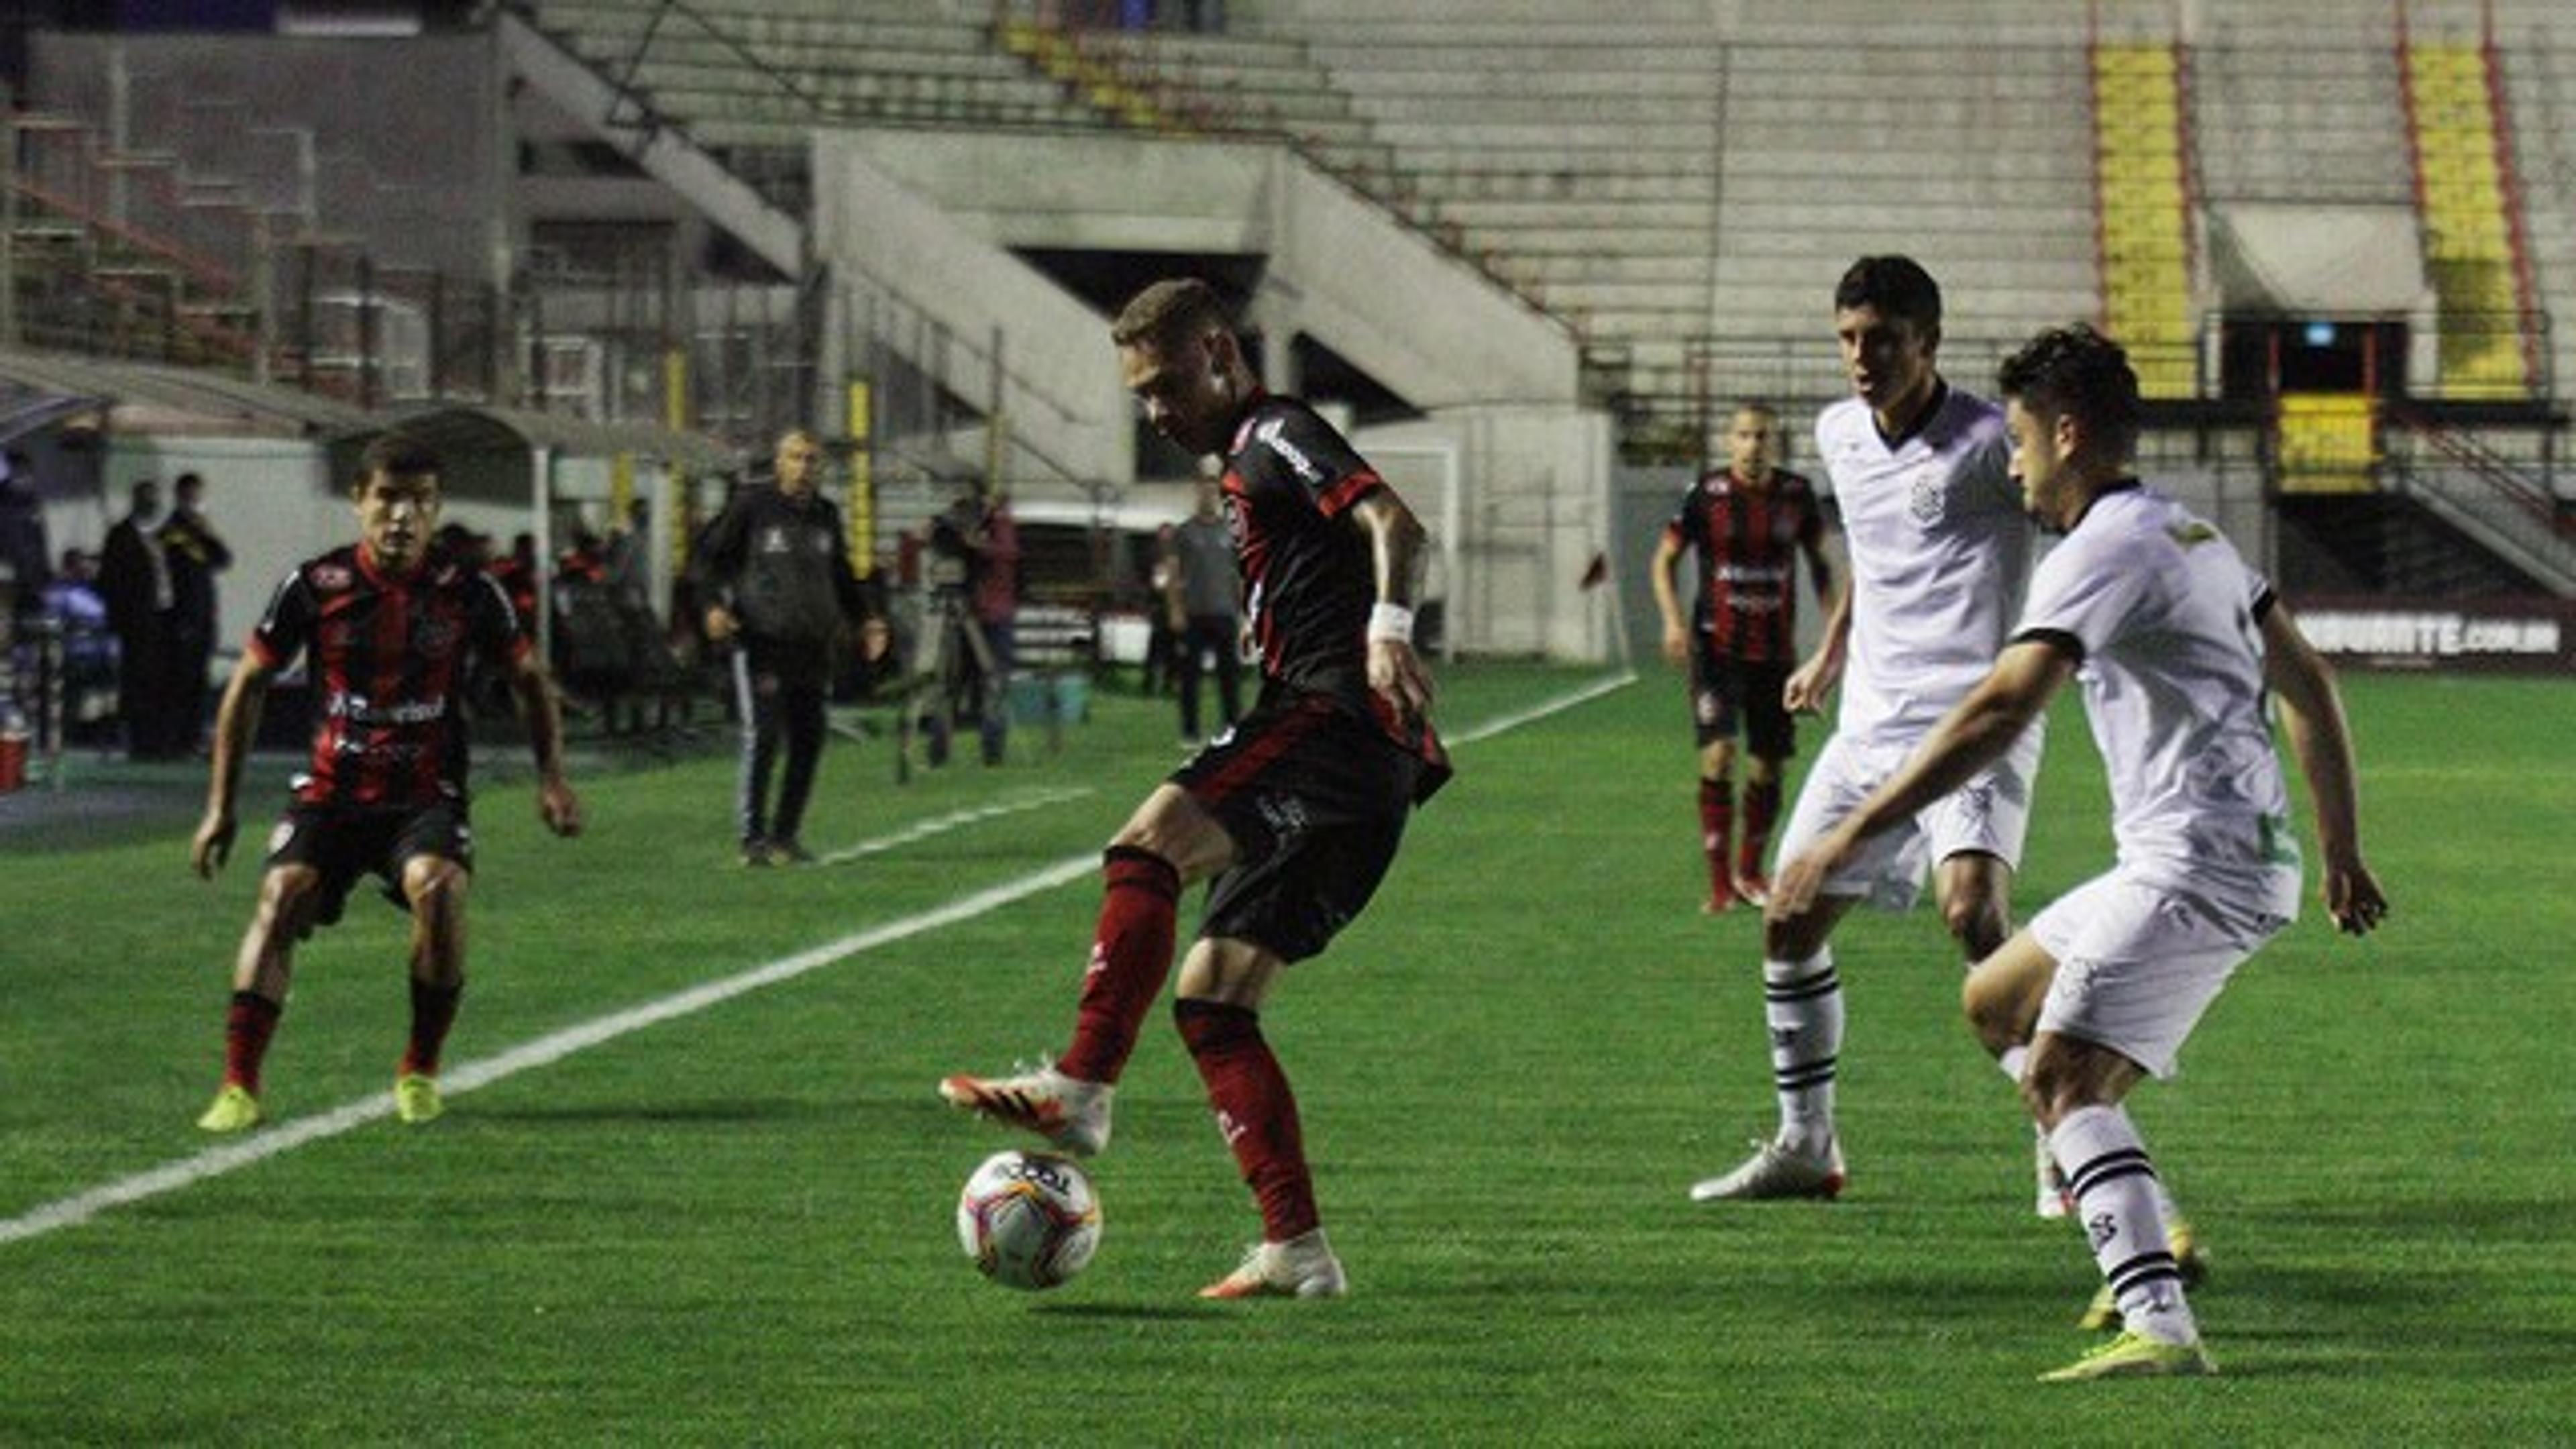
<point x="1029" y="1219"/>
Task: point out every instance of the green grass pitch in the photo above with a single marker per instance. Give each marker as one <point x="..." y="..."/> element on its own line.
<point x="732" y="1226"/>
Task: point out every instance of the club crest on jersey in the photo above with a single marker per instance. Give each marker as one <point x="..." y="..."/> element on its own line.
<point x="434" y="636"/>
<point x="1928" y="500"/>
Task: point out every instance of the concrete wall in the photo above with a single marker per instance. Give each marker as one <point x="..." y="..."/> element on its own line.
<point x="269" y="498"/>
<point x="1337" y="266"/>
<point x="1532" y="507"/>
<point x="405" y="133"/>
<point x="932" y="214"/>
<point x="1059" y="374"/>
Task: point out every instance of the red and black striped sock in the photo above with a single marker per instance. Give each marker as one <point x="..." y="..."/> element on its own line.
<point x="1761" y="809"/>
<point x="1255" y="1110"/>
<point x="1131" y="958"/>
<point x="433" y="1011"/>
<point x="248" y="1024"/>
<point x="1716" y="827"/>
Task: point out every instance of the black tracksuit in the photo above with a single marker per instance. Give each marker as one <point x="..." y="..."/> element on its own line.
<point x="781" y="565"/>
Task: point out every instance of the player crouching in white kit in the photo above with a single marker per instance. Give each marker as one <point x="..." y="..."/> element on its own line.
<point x="2175" y="642"/>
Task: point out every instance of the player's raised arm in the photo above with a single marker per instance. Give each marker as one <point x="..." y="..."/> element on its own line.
<point x="236" y="726"/>
<point x="2312" y="716"/>
<point x="1396" y="551"/>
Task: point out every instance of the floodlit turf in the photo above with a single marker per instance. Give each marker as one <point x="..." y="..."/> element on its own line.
<point x="733" y="1226"/>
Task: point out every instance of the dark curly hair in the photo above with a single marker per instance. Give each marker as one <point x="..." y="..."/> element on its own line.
<point x="2079" y="373"/>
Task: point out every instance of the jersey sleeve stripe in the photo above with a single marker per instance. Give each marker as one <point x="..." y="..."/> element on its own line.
<point x="2058" y="639"/>
<point x="1334" y="500"/>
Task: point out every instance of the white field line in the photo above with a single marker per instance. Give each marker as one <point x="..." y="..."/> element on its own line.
<point x="939" y="824"/>
<point x="287" y="1136"/>
<point x="1541" y="710"/>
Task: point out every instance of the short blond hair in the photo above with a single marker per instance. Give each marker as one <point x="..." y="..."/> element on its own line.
<point x="1170" y="311"/>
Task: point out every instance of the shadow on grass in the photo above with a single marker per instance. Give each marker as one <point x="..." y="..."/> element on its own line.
<point x="751" y="1109"/>
<point x="1124" y="1312"/>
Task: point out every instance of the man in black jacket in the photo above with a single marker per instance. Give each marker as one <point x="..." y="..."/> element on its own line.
<point x="134" y="578"/>
<point x="194" y="554"/>
<point x="775" y="570"/>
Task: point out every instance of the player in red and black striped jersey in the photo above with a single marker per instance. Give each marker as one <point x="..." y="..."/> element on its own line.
<point x="1295" y="812"/>
<point x="390" y="627"/>
<point x="1747" y="523"/>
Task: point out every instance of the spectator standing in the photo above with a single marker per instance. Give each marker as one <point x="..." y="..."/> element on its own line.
<point x="518" y="575"/>
<point x="1164" y="611"/>
<point x="23" y="549"/>
<point x="23" y="557"/>
<point x="134" y="578"/>
<point x="194" y="553"/>
<point x="995" y="593"/>
<point x="1210" y="587"/>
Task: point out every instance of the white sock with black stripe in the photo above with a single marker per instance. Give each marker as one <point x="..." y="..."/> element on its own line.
<point x="1803" y="1006"/>
<point x="2114" y="1184"/>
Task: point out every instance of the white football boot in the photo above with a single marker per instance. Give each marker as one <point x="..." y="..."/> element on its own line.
<point x="1774" y="1172"/>
<point x="1302" y="1267"/>
<point x="1067" y="1111"/>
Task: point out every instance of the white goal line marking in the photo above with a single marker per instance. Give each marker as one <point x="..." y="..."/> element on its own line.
<point x="296" y="1132"/>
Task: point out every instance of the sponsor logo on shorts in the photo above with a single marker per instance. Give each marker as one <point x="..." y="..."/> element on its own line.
<point x="1285" y="815"/>
<point x="279" y="837"/>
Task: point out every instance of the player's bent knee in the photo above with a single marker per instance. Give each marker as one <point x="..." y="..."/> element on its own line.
<point x="1174" y="827"/>
<point x="1978" y="923"/>
<point x="289" y="895"/>
<point x="435" y="887"/>
<point x="1992" y="1014"/>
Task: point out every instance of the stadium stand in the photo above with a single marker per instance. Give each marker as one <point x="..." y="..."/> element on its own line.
<point x="1672" y="181"/>
<point x="2148" y="247"/>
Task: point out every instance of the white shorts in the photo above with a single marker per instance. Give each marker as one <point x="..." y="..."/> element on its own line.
<point x="1989" y="814"/>
<point x="2138" y="963"/>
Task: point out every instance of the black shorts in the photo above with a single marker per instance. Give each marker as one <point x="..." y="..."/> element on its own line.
<point x="344" y="842"/>
<point x="1724" y="689"/>
<point x="1315" y="799"/>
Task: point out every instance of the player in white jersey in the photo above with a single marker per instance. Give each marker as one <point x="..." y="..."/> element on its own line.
<point x="1940" y="550"/>
<point x="2175" y="642"/>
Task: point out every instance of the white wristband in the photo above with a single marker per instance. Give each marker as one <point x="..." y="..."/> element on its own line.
<point x="1391" y="621"/>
